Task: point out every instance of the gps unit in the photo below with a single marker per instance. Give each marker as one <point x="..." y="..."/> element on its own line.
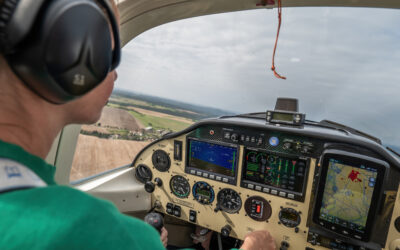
<point x="349" y="191"/>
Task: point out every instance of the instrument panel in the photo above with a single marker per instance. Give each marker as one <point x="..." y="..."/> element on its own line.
<point x="235" y="179"/>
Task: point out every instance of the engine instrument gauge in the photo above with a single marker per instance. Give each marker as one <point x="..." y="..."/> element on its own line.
<point x="289" y="217"/>
<point x="203" y="192"/>
<point x="229" y="200"/>
<point x="179" y="186"/>
<point x="161" y="160"/>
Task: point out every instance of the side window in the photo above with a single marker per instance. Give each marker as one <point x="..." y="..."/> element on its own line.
<point x="128" y="123"/>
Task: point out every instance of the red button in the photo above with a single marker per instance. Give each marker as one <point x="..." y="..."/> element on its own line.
<point x="258" y="209"/>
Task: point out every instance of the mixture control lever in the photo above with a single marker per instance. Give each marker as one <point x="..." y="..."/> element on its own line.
<point x="155" y="220"/>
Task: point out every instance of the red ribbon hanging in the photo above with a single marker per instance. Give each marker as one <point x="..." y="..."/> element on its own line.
<point x="276" y="41"/>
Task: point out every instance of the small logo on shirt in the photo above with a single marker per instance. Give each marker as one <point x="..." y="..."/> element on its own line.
<point x="12" y="172"/>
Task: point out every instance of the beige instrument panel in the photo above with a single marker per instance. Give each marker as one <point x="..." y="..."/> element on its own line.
<point x="240" y="222"/>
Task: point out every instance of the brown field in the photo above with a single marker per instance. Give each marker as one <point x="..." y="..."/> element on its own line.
<point x="118" y="118"/>
<point x="94" y="155"/>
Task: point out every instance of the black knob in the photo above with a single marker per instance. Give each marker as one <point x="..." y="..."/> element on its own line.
<point x="284" y="245"/>
<point x="149" y="187"/>
<point x="158" y="181"/>
<point x="305" y="149"/>
<point x="234" y="137"/>
<point x="226" y="230"/>
<point x="156" y="220"/>
<point x="287" y="145"/>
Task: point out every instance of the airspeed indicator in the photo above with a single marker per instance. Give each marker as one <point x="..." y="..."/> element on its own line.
<point x="179" y="186"/>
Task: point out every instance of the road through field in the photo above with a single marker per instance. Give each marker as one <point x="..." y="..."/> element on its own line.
<point x="94" y="155"/>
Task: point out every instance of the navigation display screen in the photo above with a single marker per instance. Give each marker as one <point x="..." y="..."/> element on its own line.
<point x="348" y="194"/>
<point x="212" y="157"/>
<point x="274" y="171"/>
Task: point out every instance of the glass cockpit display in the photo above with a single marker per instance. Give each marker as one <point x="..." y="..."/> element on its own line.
<point x="273" y="171"/>
<point x="211" y="157"/>
<point x="348" y="195"/>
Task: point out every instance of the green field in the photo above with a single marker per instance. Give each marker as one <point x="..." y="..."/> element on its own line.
<point x="159" y="122"/>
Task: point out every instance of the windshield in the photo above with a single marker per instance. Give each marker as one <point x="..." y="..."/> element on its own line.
<point x="342" y="64"/>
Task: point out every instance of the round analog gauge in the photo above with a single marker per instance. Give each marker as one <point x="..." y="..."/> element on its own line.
<point x="179" y="186"/>
<point x="203" y="192"/>
<point x="229" y="200"/>
<point x="289" y="217"/>
<point x="143" y="173"/>
<point x="161" y="160"/>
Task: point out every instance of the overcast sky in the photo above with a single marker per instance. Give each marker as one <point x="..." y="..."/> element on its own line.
<point x="342" y="64"/>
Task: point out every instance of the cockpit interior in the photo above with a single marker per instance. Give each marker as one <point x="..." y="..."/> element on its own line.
<point x="312" y="185"/>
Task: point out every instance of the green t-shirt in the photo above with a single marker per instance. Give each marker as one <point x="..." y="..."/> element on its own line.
<point x="60" y="217"/>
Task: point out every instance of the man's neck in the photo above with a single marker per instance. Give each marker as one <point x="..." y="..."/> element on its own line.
<point x="25" y="118"/>
<point x="32" y="139"/>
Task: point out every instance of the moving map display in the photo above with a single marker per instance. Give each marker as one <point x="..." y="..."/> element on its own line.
<point x="348" y="194"/>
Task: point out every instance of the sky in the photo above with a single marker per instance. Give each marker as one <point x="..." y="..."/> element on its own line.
<point x="343" y="64"/>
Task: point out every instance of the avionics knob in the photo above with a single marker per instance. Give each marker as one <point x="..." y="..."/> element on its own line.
<point x="234" y="137"/>
<point x="305" y="149"/>
<point x="287" y="145"/>
<point x="149" y="187"/>
<point x="226" y="230"/>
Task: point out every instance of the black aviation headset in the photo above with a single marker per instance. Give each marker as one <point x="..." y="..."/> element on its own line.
<point x="61" y="49"/>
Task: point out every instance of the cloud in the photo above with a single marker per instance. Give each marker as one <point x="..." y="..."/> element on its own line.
<point x="295" y="60"/>
<point x="341" y="63"/>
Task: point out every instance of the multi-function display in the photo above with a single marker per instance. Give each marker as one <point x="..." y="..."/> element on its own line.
<point x="273" y="171"/>
<point x="213" y="158"/>
<point x="346" y="191"/>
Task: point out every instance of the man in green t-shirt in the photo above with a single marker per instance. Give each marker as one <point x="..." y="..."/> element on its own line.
<point x="57" y="67"/>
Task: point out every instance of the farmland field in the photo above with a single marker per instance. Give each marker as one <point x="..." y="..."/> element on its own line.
<point x="128" y="123"/>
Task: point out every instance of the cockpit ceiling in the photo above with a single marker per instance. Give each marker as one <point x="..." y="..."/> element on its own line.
<point x="138" y="16"/>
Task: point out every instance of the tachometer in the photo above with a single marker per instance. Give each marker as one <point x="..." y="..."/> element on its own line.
<point x="229" y="200"/>
<point x="203" y="192"/>
<point x="179" y="186"/>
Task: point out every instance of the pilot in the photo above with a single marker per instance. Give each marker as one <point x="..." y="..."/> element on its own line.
<point x="57" y="67"/>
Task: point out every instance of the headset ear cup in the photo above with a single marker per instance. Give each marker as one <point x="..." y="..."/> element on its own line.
<point x="79" y="56"/>
<point x="68" y="52"/>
